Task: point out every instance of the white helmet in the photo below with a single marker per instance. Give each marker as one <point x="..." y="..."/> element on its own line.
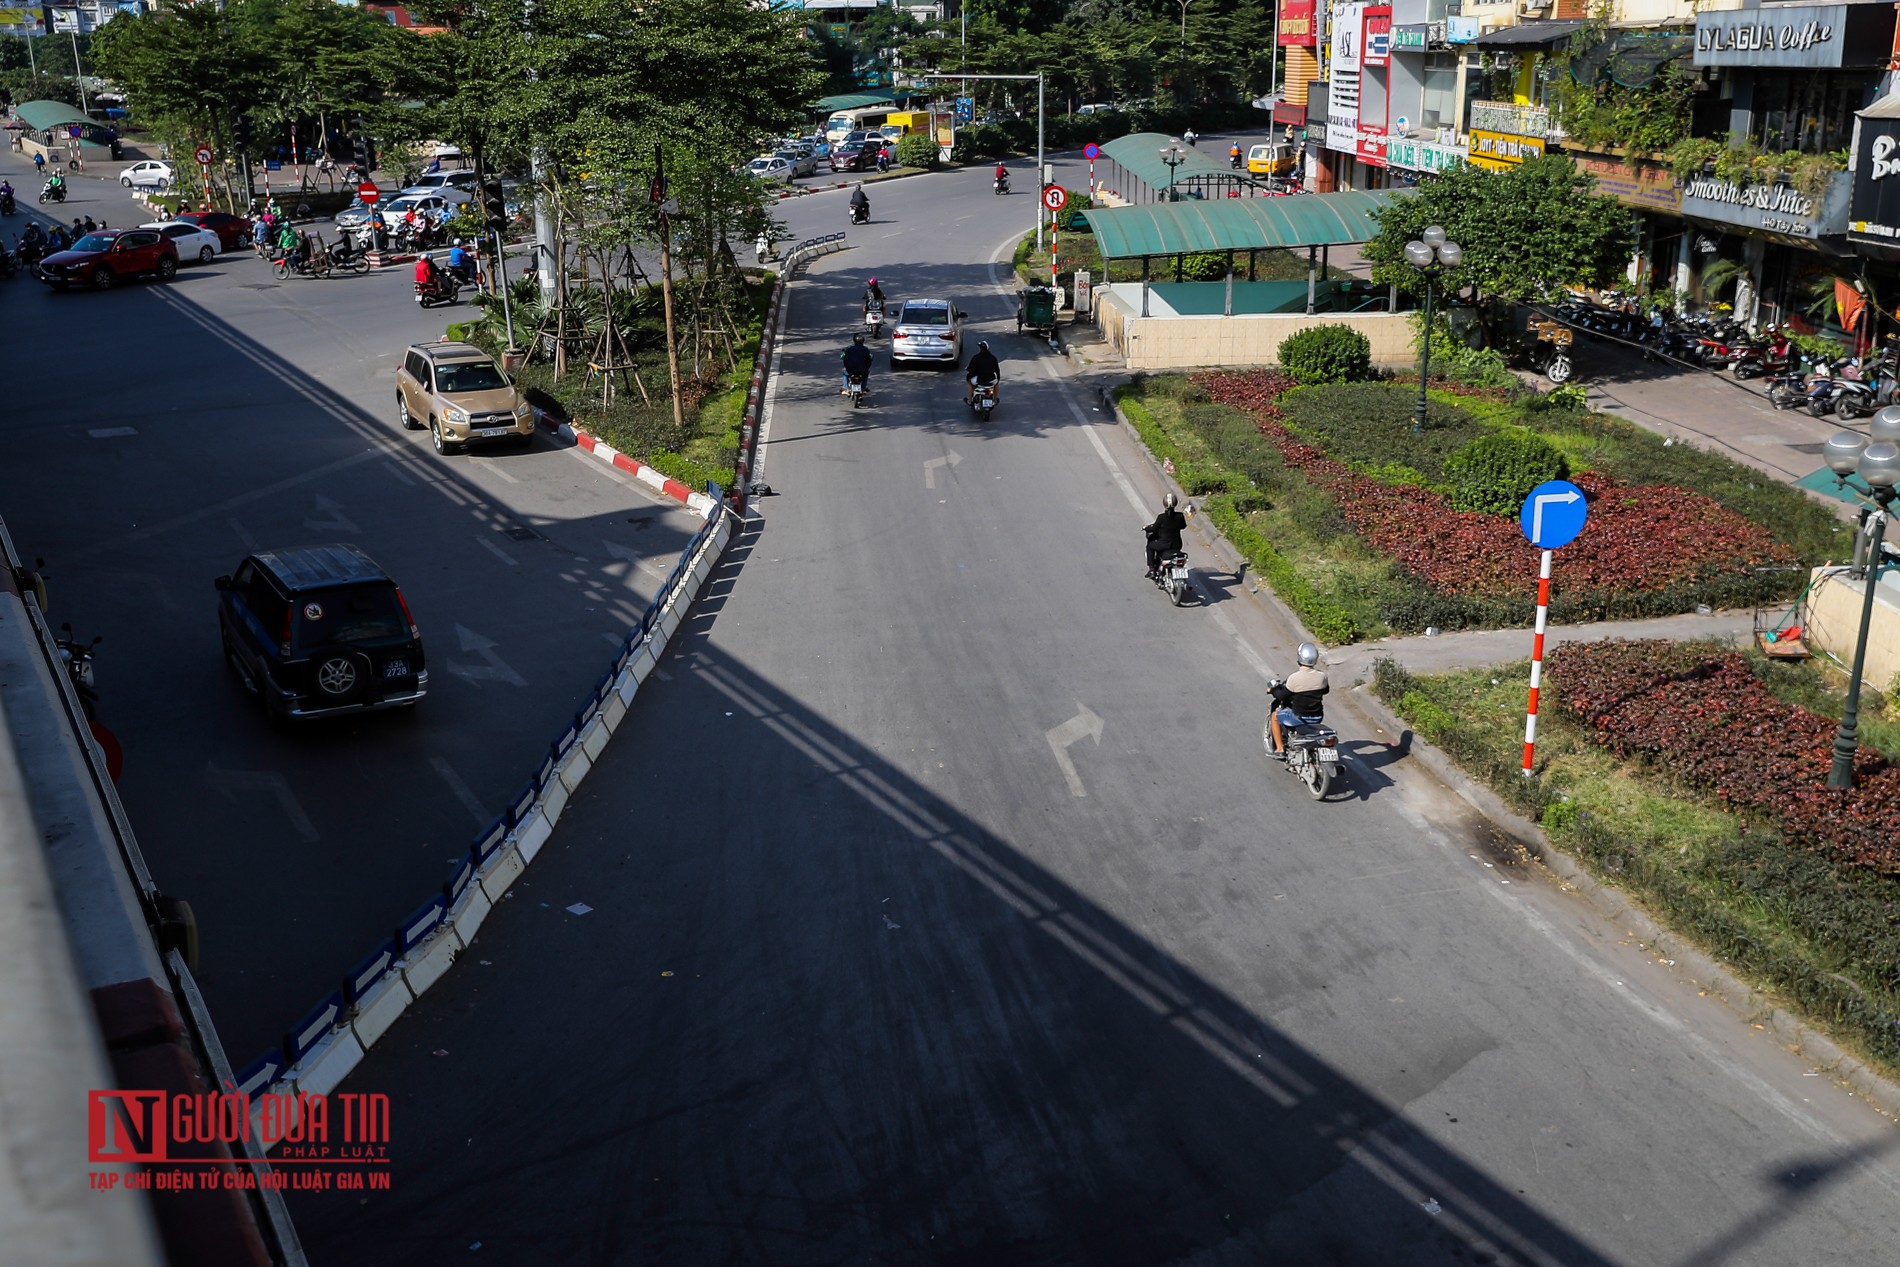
<point x="1169" y="501"/>
<point x="1308" y="655"/>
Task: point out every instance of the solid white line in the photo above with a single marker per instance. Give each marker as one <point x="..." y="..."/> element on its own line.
<point x="461" y="789"/>
<point x="770" y="403"/>
<point x="488" y="464"/>
<point x="496" y="550"/>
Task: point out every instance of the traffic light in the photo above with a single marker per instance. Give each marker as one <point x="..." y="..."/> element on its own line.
<point x="241" y="133"/>
<point x="494" y="205"/>
<point x="361" y="146"/>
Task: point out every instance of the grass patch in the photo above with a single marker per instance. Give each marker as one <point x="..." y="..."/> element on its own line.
<point x="1823" y="936"/>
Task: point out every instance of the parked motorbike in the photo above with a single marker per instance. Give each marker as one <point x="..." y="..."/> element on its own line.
<point x="873" y="319"/>
<point x="1312" y="751"/>
<point x="77" y="656"/>
<point x="1171" y="577"/>
<point x="854" y="387"/>
<point x="1790" y="387"/>
<point x="983" y="400"/>
<point x="1847" y="394"/>
<point x="1757" y="359"/>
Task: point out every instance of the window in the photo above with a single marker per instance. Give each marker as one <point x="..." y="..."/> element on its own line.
<point x="926" y="317"/>
<point x="1439" y="107"/>
<point x="363" y="614"/>
<point x="469" y="376"/>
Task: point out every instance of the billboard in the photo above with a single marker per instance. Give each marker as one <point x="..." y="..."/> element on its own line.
<point x="1299" y="23"/>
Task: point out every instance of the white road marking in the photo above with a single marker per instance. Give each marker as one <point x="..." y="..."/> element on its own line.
<point x="1084" y="723"/>
<point x="493" y="670"/>
<point x="402" y="476"/>
<point x="230" y="782"/>
<point x="112" y="433"/>
<point x="930" y="467"/>
<point x="634" y="559"/>
<point x="488" y="464"/>
<point x="335" y="520"/>
<point x="481" y="539"/>
<point x="243" y="534"/>
<point x="460" y="789"/>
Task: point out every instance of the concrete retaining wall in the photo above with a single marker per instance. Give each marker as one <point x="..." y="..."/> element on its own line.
<point x="1169" y="343"/>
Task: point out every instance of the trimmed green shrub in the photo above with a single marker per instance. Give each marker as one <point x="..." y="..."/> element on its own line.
<point x="1078" y="202"/>
<point x="1493" y="473"/>
<point x="916" y="150"/>
<point x="1329" y="621"/>
<point x="1368" y="426"/>
<point x="687" y="471"/>
<point x="1200" y="266"/>
<point x="1327" y="354"/>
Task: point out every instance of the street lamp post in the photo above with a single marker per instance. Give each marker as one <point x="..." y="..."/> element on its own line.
<point x="1878" y="464"/>
<point x="1173" y="154"/>
<point x="1431" y="254"/>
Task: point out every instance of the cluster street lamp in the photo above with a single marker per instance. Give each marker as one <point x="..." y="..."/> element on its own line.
<point x="1173" y="154"/>
<point x="1877" y="462"/>
<point x="1432" y="253"/>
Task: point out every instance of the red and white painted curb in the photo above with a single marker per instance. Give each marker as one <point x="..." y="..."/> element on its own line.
<point x="701" y="504"/>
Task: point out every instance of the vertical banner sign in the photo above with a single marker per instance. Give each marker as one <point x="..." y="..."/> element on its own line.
<point x="1342" y="103"/>
<point x="1552" y="517"/>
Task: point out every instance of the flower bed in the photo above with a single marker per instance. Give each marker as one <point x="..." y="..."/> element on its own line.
<point x="1706" y="720"/>
<point x="1642" y="540"/>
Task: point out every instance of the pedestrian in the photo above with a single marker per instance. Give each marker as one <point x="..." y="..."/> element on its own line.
<point x="39" y="162"/>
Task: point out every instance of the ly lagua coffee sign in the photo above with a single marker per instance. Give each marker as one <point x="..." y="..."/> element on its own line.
<point x="1773" y="35"/>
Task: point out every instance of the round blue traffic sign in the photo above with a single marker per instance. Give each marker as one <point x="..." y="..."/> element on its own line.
<point x="1553" y="514"/>
<point x="1091" y="151"/>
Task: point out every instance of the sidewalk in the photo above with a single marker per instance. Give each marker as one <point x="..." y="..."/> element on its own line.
<point x="1481" y="647"/>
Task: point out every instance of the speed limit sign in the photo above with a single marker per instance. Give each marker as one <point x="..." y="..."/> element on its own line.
<point x="204" y="156"/>
<point x="1054" y="196"/>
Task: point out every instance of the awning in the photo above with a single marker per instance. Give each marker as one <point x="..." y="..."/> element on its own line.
<point x="854" y="101"/>
<point x="42" y="115"/>
<point x="1140" y="153"/>
<point x="1235" y="224"/>
<point x="1887" y="107"/>
<point x="1528" y="34"/>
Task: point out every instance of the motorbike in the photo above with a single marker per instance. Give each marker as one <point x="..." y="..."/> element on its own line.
<point x="1002" y="184"/>
<point x="983" y="399"/>
<point x="1233" y="161"/>
<point x="49" y="192"/>
<point x="284" y="263"/>
<point x="345" y="256"/>
<point x="854" y="386"/>
<point x="1550" y="351"/>
<point x="1845" y="393"/>
<point x="77" y="657"/>
<point x="6" y="203"/>
<point x="861" y="213"/>
<point x="31" y="253"/>
<point x="1790" y="387"/>
<point x="873" y="319"/>
<point x="444" y="290"/>
<point x="1758" y="359"/>
<point x="1171" y="577"/>
<point x="1312" y="750"/>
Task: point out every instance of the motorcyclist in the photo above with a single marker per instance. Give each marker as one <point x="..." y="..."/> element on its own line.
<point x="6" y="195"/>
<point x="873" y="295"/>
<point x="1233" y="155"/>
<point x="857" y="364"/>
<point x="860" y="204"/>
<point x="1002" y="175"/>
<point x="56" y="182"/>
<point x="288" y="243"/>
<point x="984" y="369"/>
<point x="1299" y="698"/>
<point x="1190" y="136"/>
<point x="89" y="225"/>
<point x="428" y="276"/>
<point x="1164" y="534"/>
<point x="461" y="263"/>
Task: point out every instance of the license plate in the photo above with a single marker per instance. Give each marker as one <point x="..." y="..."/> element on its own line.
<point x="1327" y="756"/>
<point x="489" y="433"/>
<point x="396" y="668"/>
<point x="1180" y="574"/>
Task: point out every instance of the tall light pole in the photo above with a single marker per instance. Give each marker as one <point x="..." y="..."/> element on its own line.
<point x="1173" y="155"/>
<point x="1879" y="465"/>
<point x="1038" y="77"/>
<point x="1431" y="254"/>
<point x="1184" y="4"/>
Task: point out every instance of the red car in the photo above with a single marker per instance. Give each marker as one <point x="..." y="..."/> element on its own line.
<point x="111" y="255"/>
<point x="233" y="231"/>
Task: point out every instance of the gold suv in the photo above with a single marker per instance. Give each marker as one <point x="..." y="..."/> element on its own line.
<point x="458" y="392"/>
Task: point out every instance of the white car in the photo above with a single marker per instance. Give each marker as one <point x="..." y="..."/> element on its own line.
<point x="773" y="170"/>
<point x="194" y="242"/>
<point x="150" y="174"/>
<point x="394" y="210"/>
<point x="803" y="164"/>
<point x="454" y="193"/>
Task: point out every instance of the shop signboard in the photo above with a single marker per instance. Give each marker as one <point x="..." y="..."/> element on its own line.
<point x="1342" y="108"/>
<point x="1510" y="118"/>
<point x="1874" y="215"/>
<point x="1781" y="210"/>
<point x="1647" y="187"/>
<point x="1500" y="151"/>
<point x="1298" y="23"/>
<point x="1772" y="35"/>
<point x="1422" y="156"/>
<point x="1376" y="47"/>
<point x="1460" y="30"/>
<point x="1416" y="37"/>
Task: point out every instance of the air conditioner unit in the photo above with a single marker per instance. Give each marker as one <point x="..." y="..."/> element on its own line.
<point x="1533" y="8"/>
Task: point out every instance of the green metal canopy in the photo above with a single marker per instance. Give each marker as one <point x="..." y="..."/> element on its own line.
<point x="1140" y="153"/>
<point x="853" y="101"/>
<point x="1235" y="224"/>
<point x="42" y="115"/>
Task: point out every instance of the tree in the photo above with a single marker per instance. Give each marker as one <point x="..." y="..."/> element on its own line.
<point x="1527" y="232"/>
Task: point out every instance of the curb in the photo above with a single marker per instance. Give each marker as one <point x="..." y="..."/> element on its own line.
<point x="327" y="1044"/>
<point x="1754" y="1006"/>
<point x="701" y="503"/>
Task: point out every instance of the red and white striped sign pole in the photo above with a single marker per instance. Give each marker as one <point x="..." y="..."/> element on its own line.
<point x="1053" y="197"/>
<point x="1552" y="517"/>
<point x="1537" y="659"/>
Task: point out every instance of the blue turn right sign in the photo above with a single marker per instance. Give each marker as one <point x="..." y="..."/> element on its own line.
<point x="1553" y="514"/>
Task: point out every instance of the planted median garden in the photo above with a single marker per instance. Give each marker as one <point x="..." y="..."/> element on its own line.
<point x="1366" y="526"/>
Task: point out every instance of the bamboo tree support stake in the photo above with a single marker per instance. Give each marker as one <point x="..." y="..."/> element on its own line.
<point x="666" y="291"/>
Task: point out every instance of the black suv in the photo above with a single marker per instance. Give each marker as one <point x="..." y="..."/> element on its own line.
<point x="320" y="630"/>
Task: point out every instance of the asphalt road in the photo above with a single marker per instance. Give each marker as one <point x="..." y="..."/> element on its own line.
<point x="943" y="910"/>
<point x="154" y="434"/>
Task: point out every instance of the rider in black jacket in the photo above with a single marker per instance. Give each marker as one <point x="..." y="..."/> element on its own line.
<point x="857" y="364"/>
<point x="1164" y="534"/>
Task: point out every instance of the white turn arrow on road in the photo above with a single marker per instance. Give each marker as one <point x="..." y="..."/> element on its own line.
<point x="930" y="468"/>
<point x="1082" y="724"/>
<point x="230" y="782"/>
<point x="336" y="520"/>
<point x="1537" y="512"/>
<point x="633" y="559"/>
<point x="493" y="671"/>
